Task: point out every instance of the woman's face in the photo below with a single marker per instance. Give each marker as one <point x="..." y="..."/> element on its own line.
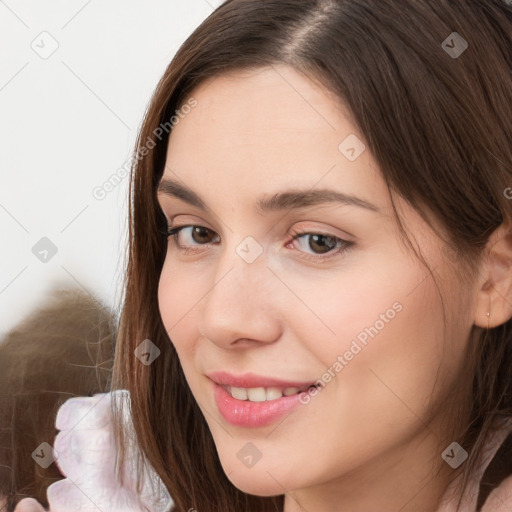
<point x="346" y="305"/>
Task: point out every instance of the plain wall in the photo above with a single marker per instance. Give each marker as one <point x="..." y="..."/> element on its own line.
<point x="75" y="79"/>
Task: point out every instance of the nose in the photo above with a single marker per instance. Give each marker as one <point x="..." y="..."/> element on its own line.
<point x="240" y="308"/>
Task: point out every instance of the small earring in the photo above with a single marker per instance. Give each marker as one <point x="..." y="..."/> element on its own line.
<point x="488" y="315"/>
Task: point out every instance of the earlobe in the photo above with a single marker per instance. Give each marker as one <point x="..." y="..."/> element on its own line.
<point x="495" y="293"/>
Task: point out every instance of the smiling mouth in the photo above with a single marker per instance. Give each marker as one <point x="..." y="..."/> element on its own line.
<point x="255" y="401"/>
<point x="264" y="394"/>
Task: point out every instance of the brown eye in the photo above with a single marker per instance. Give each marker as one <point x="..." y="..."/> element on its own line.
<point x="324" y="242"/>
<point x="321" y="244"/>
<point x="199" y="235"/>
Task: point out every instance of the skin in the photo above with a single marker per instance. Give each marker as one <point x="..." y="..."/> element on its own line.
<point x="369" y="440"/>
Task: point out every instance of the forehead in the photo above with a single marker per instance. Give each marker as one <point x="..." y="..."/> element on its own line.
<point x="277" y="100"/>
<point x="266" y="129"/>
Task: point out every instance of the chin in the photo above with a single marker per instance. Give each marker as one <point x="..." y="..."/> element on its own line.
<point x="264" y="478"/>
<point x="261" y="484"/>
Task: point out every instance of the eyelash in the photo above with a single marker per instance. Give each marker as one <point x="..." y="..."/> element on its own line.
<point x="343" y="245"/>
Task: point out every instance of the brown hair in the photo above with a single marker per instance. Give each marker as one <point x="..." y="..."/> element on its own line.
<point x="62" y="349"/>
<point x="438" y="125"/>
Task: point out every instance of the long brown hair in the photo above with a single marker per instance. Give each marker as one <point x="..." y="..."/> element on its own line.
<point x="438" y="124"/>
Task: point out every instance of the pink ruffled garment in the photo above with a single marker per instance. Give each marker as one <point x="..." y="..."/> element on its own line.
<point x="85" y="453"/>
<point x="500" y="498"/>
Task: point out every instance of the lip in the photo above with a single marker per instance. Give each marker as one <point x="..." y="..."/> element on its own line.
<point x="251" y="380"/>
<point x="244" y="413"/>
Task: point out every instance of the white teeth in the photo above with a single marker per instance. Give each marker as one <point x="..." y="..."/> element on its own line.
<point x="256" y="394"/>
<point x="274" y="393"/>
<point x="239" y="393"/>
<point x="260" y="394"/>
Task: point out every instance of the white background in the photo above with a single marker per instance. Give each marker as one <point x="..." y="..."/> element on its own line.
<point x="67" y="123"/>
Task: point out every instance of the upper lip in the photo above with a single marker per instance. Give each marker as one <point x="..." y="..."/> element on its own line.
<point x="251" y="380"/>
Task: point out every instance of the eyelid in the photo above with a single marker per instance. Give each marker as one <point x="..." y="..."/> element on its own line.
<point x="186" y="220"/>
<point x="320" y="212"/>
<point x="189" y="219"/>
<point x="344" y="235"/>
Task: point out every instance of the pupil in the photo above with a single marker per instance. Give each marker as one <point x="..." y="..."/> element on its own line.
<point x="323" y="245"/>
<point x="201" y="231"/>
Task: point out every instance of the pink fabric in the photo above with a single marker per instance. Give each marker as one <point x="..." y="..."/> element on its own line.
<point x="500" y="499"/>
<point x="86" y="454"/>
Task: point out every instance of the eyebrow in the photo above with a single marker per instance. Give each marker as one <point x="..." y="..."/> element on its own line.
<point x="287" y="200"/>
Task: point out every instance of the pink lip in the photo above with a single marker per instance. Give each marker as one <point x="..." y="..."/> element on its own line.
<point x="244" y="413"/>
<point x="251" y="380"/>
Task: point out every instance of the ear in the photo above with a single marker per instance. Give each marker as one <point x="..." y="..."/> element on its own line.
<point x="495" y="293"/>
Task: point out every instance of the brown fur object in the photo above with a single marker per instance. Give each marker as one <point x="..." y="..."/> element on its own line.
<point x="62" y="349"/>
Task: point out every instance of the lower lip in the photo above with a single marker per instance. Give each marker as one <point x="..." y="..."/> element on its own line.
<point x="244" y="413"/>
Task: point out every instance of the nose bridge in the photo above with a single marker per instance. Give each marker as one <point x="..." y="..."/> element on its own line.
<point x="243" y="265"/>
<point x="238" y="304"/>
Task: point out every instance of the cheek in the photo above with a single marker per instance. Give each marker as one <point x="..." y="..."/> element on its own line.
<point x="360" y="303"/>
<point x="177" y="295"/>
<point x="372" y="329"/>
